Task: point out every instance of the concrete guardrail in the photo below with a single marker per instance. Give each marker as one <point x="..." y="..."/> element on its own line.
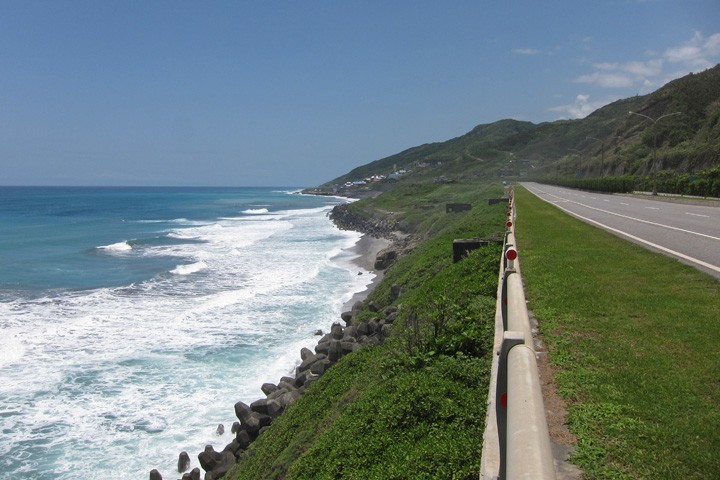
<point x="516" y="444"/>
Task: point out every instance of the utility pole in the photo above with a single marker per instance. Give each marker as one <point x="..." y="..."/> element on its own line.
<point x="602" y="152"/>
<point x="654" y="164"/>
<point x="579" y="155"/>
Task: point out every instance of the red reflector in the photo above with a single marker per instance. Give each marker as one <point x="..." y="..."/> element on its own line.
<point x="511" y="254"/>
<point x="503" y="399"/>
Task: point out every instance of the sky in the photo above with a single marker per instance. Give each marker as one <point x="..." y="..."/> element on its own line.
<point x="296" y="93"/>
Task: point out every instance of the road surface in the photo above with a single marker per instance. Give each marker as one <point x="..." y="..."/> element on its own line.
<point x="690" y="233"/>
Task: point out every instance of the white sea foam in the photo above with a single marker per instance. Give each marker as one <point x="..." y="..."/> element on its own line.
<point x="231" y="231"/>
<point x="11" y="348"/>
<point x="119" y="247"/>
<point x="190" y="268"/>
<point x="155" y="366"/>
<point x="256" y="211"/>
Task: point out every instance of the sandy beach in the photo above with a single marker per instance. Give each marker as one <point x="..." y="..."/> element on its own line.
<point x="367" y="248"/>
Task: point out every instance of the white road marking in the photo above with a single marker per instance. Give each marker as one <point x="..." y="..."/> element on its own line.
<point x="697" y="215"/>
<point x="654" y="245"/>
<point x="626" y="204"/>
<point x="652" y="208"/>
<point x="639" y="219"/>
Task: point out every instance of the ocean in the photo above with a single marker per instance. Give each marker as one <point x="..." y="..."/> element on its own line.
<point x="133" y="319"/>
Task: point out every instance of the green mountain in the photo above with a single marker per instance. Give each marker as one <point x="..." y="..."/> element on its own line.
<point x="685" y="138"/>
<point x="417" y="400"/>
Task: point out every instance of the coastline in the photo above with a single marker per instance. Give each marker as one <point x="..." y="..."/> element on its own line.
<point x="258" y="415"/>
<point x="367" y="249"/>
<point x="255" y="417"/>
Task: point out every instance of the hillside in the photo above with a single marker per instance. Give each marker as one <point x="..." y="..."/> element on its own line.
<point x="608" y="142"/>
<point x="415" y="399"/>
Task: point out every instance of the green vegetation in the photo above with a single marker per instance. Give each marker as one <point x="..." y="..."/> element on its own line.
<point x="608" y="142"/>
<point x="705" y="183"/>
<point x="632" y="334"/>
<point x="415" y="406"/>
<point x="420" y="208"/>
<point x="636" y="343"/>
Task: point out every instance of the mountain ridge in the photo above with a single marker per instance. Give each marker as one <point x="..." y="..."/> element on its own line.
<point x="608" y="142"/>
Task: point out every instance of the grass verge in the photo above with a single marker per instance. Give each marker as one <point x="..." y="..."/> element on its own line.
<point x="635" y="339"/>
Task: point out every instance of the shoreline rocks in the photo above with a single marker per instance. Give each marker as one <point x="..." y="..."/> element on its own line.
<point x="256" y="418"/>
<point x="399" y="234"/>
<point x="376" y="227"/>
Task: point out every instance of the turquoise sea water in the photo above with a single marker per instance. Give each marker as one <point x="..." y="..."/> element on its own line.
<point x="132" y="319"/>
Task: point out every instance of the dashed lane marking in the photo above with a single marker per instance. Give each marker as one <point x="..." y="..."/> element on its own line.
<point x="709" y="266"/>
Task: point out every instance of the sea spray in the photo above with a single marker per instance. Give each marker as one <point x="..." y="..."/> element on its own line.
<point x="118" y="359"/>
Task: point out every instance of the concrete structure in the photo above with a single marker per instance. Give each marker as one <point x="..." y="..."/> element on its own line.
<point x="516" y="444"/>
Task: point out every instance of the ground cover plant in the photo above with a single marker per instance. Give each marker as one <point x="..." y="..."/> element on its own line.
<point x="415" y="406"/>
<point x="635" y="339"/>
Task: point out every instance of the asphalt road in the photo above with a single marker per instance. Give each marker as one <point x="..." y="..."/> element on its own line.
<point x="690" y="233"/>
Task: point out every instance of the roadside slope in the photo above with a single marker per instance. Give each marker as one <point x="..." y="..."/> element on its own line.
<point x="415" y="405"/>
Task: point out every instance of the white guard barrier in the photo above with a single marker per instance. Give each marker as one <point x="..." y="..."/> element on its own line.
<point x="516" y="444"/>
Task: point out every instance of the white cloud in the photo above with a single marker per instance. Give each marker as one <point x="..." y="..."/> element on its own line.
<point x="606" y="80"/>
<point x="696" y="54"/>
<point x="527" y="51"/>
<point x="712" y="45"/>
<point x="622" y="75"/>
<point x="642" y="76"/>
<point x="606" y="66"/>
<point x="582" y="107"/>
<point x="644" y="69"/>
<point x="687" y="54"/>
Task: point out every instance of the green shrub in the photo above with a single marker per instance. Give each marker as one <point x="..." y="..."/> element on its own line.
<point x="704" y="184"/>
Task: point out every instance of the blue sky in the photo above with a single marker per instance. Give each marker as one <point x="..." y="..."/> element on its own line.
<point x="296" y="93"/>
